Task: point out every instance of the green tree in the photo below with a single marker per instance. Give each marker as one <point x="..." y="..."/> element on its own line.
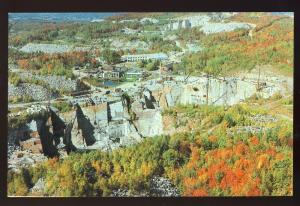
<point x="111" y="57"/>
<point x="171" y="158"/>
<point x="142" y="63"/>
<point x="153" y="65"/>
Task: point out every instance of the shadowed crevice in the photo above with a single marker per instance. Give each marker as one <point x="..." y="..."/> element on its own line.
<point x="86" y="127"/>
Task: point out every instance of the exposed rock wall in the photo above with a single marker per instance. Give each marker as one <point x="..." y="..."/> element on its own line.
<point x="226" y="91"/>
<point x="38" y="139"/>
<point x="25" y="131"/>
<point x="149" y="122"/>
<point x="105" y="126"/>
<point x="207" y="26"/>
<point x="211" y="28"/>
<point x="47" y="138"/>
<point x="86" y="127"/>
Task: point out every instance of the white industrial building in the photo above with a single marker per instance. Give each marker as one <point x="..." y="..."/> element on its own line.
<point x="139" y="57"/>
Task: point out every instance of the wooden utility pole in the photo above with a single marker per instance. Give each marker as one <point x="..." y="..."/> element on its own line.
<point x="258" y="86"/>
<point x="226" y="93"/>
<point x="160" y="68"/>
<point x="49" y="103"/>
<point x="207" y="84"/>
<point x="187" y="73"/>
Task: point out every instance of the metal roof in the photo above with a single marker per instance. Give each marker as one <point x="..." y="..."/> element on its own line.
<point x="154" y="55"/>
<point x="134" y="71"/>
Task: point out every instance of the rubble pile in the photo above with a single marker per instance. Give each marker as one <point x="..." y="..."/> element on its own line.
<point x="54" y="82"/>
<point x="38" y="188"/>
<point x="263" y="118"/>
<point x="23" y="158"/>
<point x="159" y="187"/>
<point x="120" y="44"/>
<point x="50" y="48"/>
<point x="34" y="91"/>
<point x="245" y="129"/>
<point x="162" y="187"/>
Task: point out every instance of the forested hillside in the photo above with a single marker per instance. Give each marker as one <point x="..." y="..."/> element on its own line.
<point x="270" y="42"/>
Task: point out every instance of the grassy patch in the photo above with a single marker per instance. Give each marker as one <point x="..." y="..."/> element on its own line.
<point x="63" y="106"/>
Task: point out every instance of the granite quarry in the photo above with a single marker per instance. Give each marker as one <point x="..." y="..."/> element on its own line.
<point x="124" y="115"/>
<point x="109" y="120"/>
<point x="143" y="104"/>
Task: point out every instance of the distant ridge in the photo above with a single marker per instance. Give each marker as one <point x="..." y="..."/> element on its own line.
<point x="82" y="16"/>
<point x="284" y="13"/>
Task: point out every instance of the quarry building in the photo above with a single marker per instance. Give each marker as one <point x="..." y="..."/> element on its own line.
<point x="140" y="57"/>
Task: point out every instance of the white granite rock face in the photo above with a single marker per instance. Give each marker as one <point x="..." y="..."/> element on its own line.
<point x="109" y="127"/>
<point x="211" y="28"/>
<point x="225" y="91"/>
<point x="206" y="23"/>
<point x="149" y="122"/>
